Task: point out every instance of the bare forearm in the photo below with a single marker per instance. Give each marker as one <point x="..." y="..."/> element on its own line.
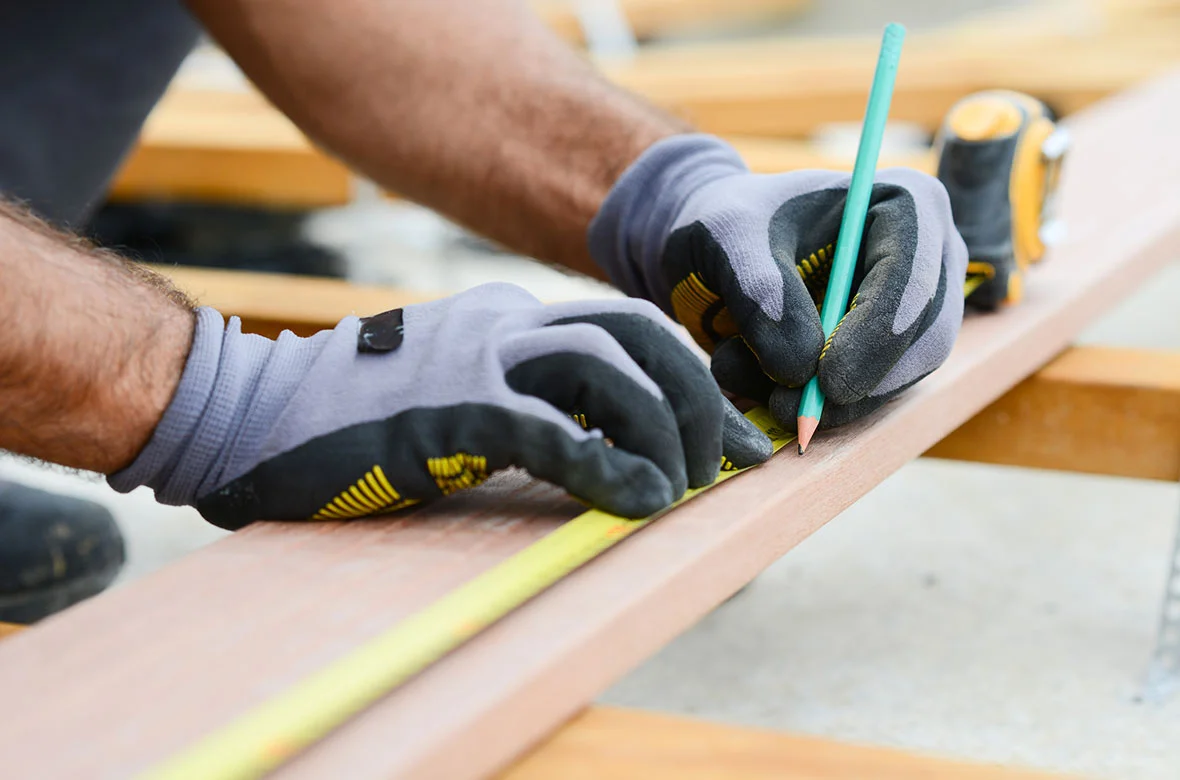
<point x="470" y="107"/>
<point x="92" y="350"/>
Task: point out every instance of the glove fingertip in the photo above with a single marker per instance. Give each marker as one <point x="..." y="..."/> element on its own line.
<point x="645" y="491"/>
<point x="745" y="445"/>
<point x="784" y="407"/>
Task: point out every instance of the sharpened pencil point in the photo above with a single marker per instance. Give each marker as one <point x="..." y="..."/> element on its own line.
<point x="807" y="427"/>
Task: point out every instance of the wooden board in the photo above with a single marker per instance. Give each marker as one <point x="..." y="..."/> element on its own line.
<point x="626" y="744"/>
<point x="1096" y="410"/>
<point x="271" y="303"/>
<point x="785" y="87"/>
<point x="223" y="146"/>
<point x="178" y="653"/>
<point x="649" y="18"/>
<point x="621" y="744"/>
<point x="235" y="147"/>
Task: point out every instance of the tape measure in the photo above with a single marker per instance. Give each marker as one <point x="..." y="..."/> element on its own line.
<point x="999" y="156"/>
<point x="267" y="736"/>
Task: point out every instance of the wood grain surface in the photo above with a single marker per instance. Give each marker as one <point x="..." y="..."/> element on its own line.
<point x="235" y="147"/>
<point x="1096" y="410"/>
<point x="623" y="744"/>
<point x="271" y="303"/>
<point x="649" y="18"/>
<point x="227" y="146"/>
<point x="127" y="678"/>
<point x="790" y="87"/>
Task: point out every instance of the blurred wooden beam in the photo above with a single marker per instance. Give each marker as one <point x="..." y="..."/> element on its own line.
<point x="1094" y="410"/>
<point x="222" y="146"/>
<point x="271" y="303"/>
<point x="650" y="18"/>
<point x="235" y="147"/>
<point x="790" y="87"/>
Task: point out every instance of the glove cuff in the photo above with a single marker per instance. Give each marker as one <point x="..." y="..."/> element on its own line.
<point x="228" y="373"/>
<point x="627" y="236"/>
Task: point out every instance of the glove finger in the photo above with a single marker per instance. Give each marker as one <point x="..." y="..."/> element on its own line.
<point x="744" y="444"/>
<point x="608" y="478"/>
<point x="424" y="453"/>
<point x="737" y="370"/>
<point x="905" y="293"/>
<point x="646" y="335"/>
<point x="765" y="301"/>
<point x="580" y="370"/>
<point x="784" y="407"/>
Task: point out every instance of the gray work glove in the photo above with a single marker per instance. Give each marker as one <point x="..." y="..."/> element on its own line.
<point x="742" y="261"/>
<point x="416" y="403"/>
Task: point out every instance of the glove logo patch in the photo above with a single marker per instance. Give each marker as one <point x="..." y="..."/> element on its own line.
<point x="382" y="332"/>
<point x="369" y="495"/>
<point x="457" y="472"/>
<point x="701" y="311"/>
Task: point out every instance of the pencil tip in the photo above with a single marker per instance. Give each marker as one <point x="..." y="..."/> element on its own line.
<point x="807" y="427"/>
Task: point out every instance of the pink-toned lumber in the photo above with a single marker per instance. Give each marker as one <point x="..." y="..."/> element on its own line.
<point x="627" y="744"/>
<point x="131" y="676"/>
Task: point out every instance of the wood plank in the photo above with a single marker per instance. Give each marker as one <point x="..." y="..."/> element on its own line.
<point x="224" y="146"/>
<point x="225" y="628"/>
<point x="1096" y="410"/>
<point x="271" y="303"/>
<point x="623" y="744"/>
<point x="789" y="87"/>
<point x="235" y="147"/>
<point x="650" y="18"/>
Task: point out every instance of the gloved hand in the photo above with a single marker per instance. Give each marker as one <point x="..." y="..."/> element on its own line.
<point x="416" y="403"/>
<point x="742" y="261"/>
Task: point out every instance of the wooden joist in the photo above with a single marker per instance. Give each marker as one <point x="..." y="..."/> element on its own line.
<point x="224" y="146"/>
<point x="271" y="303"/>
<point x="650" y="18"/>
<point x="621" y="744"/>
<point x="790" y="87"/>
<point x="182" y="651"/>
<point x="235" y="147"/>
<point x="1096" y="410"/>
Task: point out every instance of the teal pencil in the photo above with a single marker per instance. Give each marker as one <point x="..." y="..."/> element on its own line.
<point x="852" y="223"/>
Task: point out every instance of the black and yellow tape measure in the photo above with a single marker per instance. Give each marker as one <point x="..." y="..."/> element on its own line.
<point x="999" y="156"/>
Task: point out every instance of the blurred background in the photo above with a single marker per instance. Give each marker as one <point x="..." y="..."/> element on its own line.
<point x="982" y="612"/>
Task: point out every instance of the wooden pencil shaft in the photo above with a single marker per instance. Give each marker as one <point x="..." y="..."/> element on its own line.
<point x="856" y="207"/>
